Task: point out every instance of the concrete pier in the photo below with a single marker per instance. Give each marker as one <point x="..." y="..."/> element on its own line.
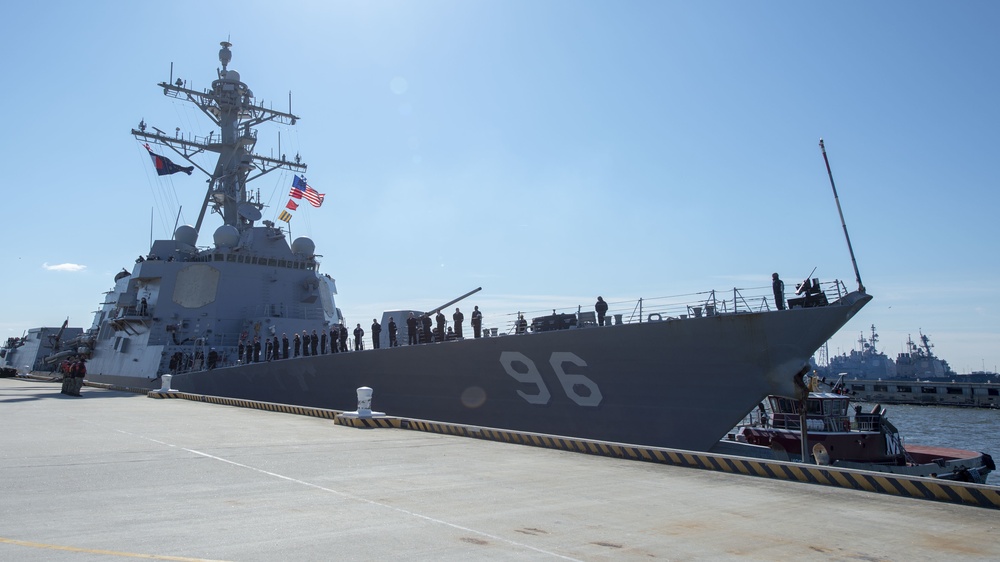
<point x="114" y="475"/>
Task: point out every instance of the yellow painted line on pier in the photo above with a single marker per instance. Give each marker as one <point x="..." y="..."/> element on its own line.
<point x="39" y="545"/>
<point x="977" y="495"/>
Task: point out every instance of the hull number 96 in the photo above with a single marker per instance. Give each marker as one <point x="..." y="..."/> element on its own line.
<point x="523" y="370"/>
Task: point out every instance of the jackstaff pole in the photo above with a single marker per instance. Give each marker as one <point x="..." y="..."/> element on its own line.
<point x="850" y="248"/>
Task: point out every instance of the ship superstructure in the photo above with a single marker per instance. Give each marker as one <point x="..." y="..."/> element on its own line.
<point x="182" y="303"/>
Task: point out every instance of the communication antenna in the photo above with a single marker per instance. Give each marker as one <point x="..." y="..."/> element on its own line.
<point x="850" y="249"/>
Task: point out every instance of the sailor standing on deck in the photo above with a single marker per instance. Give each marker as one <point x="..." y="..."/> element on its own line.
<point x="358" y="334"/>
<point x="458" y="317"/>
<point x="376" y="332"/>
<point x="392" y="333"/>
<point x="779" y="291"/>
<point x="411" y="330"/>
<point x="477" y="323"/>
<point x="322" y="342"/>
<point x="439" y="332"/>
<point x="314" y="343"/>
<point x="343" y="337"/>
<point x="296" y="344"/>
<point x="601" y="308"/>
<point x="284" y="346"/>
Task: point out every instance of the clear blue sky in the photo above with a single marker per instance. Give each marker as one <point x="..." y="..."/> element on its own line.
<point x="548" y="151"/>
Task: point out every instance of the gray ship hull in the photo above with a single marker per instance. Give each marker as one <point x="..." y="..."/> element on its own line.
<point x="679" y="383"/>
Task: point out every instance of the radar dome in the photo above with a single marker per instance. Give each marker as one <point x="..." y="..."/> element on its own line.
<point x="186" y="234"/>
<point x="303" y="245"/>
<point x="226" y="236"/>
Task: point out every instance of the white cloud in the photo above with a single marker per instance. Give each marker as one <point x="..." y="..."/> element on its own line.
<point x="64" y="267"/>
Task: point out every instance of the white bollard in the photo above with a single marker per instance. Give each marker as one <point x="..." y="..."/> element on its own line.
<point x="364" y="401"/>
<point x="166" y="383"/>
<point x="364" y="405"/>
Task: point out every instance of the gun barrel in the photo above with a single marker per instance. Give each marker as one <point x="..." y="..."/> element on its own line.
<point x="451" y="302"/>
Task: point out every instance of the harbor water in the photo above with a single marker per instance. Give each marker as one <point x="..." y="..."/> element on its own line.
<point x="973" y="429"/>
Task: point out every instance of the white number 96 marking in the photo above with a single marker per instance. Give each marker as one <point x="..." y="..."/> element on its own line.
<point x="527" y="373"/>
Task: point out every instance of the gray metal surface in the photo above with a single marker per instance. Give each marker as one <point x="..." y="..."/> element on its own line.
<point x="113" y="476"/>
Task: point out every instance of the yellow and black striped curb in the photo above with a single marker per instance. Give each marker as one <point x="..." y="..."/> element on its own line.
<point x="976" y="495"/>
<point x="252" y="404"/>
<point x="369" y="423"/>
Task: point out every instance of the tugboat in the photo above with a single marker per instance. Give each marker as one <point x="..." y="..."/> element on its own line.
<point x="201" y="313"/>
<point x="869" y="441"/>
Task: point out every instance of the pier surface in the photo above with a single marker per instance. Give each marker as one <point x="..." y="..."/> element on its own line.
<point x="114" y="475"/>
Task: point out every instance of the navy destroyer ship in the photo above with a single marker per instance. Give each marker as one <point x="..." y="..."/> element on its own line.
<point x="189" y="310"/>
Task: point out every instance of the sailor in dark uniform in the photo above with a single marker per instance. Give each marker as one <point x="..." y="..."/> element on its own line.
<point x="392" y="333"/>
<point x="305" y="343"/>
<point x="425" y="321"/>
<point x="521" y="327"/>
<point x="334" y="336"/>
<point x="411" y="330"/>
<point x="343" y="337"/>
<point x="376" y="332"/>
<point x="256" y="349"/>
<point x="439" y="332"/>
<point x="601" y="308"/>
<point x="477" y="323"/>
<point x="458" y="317"/>
<point x="274" y="348"/>
<point x="296" y="344"/>
<point x="778" y="286"/>
<point x="358" y="334"/>
<point x="284" y="346"/>
<point x="314" y="343"/>
<point x="322" y="342"/>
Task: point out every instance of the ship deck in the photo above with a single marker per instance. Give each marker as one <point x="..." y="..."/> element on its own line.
<point x="115" y="474"/>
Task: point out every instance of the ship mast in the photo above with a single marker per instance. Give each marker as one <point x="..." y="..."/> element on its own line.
<point x="230" y="105"/>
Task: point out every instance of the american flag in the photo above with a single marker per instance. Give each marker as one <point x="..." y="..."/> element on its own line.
<point x="314" y="197"/>
<point x="298" y="187"/>
<point x="302" y="189"/>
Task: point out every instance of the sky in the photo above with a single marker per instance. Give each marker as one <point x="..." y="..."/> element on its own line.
<point x="547" y="151"/>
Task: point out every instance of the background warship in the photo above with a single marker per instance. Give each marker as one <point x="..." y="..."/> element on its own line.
<point x="674" y="374"/>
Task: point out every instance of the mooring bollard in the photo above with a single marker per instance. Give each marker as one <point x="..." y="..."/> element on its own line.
<point x="364" y="401"/>
<point x="165" y="383"/>
<point x="364" y="405"/>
